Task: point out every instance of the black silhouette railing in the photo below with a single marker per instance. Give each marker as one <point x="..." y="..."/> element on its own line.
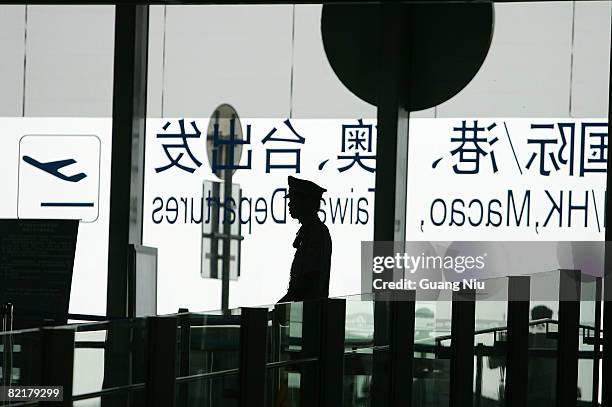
<point x="298" y="353"/>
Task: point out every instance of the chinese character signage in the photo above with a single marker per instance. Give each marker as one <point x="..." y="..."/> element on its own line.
<point x="507" y="179"/>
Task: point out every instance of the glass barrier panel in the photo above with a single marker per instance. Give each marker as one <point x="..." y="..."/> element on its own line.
<point x="587" y="374"/>
<point x="431" y="371"/>
<point x="359" y="322"/>
<point x="110" y="354"/>
<point x="285" y="340"/>
<point x="283" y="385"/>
<point x="211" y="341"/>
<point x="358" y="376"/>
<point x="490" y="354"/>
<point x="89" y="360"/>
<point x="489" y="343"/>
<point x="21" y="358"/>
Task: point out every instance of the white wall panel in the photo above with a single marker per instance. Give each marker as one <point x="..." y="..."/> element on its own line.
<point x="527" y="71"/>
<point x="69" y="61"/>
<point x="12" y="23"/>
<point x="318" y="93"/>
<point x="155" y="77"/>
<point x="591" y="59"/>
<point x="227" y="54"/>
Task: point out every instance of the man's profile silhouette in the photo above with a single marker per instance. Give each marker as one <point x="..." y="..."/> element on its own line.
<point x="309" y="278"/>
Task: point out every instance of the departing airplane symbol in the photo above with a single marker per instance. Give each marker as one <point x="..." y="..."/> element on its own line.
<point x="53" y="168"/>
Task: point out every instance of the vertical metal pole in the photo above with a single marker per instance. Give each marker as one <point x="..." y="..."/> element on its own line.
<point x="478" y="386"/>
<point x="214" y="225"/>
<point x="3" y="324"/>
<point x="311" y="347"/>
<point x="9" y="309"/>
<point x="280" y="311"/>
<point x="185" y="349"/>
<point x="462" y="348"/>
<point x="161" y="361"/>
<point x="8" y="342"/>
<point x="7" y="349"/>
<point x="58" y="360"/>
<point x="392" y="134"/>
<point x="252" y="375"/>
<point x="597" y="342"/>
<point x="6" y="316"/>
<point x="606" y="376"/>
<point x="331" y="356"/>
<point x="118" y="366"/>
<point x="128" y="144"/>
<point x="517" y="341"/>
<point x="127" y="168"/>
<point x="607" y="316"/>
<point x="567" y="351"/>
<point x="227" y="194"/>
<point x="401" y="351"/>
<point x="185" y="353"/>
<point x="381" y="385"/>
<point x="391" y="172"/>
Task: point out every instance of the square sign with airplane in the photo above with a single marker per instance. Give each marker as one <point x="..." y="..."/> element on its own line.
<point x="59" y="177"/>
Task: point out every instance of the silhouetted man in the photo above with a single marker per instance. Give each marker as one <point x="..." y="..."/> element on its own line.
<point x="309" y="277"/>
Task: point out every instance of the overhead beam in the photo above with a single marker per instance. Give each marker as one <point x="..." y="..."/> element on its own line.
<point x="266" y="2"/>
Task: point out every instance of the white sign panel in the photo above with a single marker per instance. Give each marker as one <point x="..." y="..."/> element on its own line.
<point x="339" y="155"/>
<point x="469" y="179"/>
<point x="59" y="177"/>
<point x="507" y="179"/>
<point x="60" y="168"/>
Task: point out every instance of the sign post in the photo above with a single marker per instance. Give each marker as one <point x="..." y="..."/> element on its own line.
<point x="224" y="149"/>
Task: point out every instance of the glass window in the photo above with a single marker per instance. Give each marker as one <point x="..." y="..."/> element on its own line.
<point x="56" y="104"/>
<point x="269" y="65"/>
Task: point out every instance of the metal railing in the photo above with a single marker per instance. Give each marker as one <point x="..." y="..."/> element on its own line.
<point x="260" y="347"/>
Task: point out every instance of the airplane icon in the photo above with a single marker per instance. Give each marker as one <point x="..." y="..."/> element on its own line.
<point x="53" y="168"/>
